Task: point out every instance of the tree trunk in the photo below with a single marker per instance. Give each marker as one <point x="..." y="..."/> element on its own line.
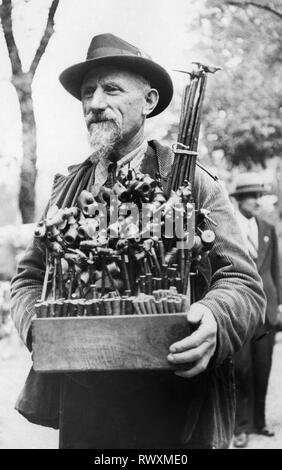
<point x="22" y="83"/>
<point x="29" y="141"/>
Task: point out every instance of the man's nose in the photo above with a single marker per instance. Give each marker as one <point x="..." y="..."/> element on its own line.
<point x="98" y="100"/>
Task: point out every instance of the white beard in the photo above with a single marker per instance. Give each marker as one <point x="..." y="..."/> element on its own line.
<point x="103" y="138"/>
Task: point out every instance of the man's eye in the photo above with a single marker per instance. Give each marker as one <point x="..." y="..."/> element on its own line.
<point x="111" y="89"/>
<point x="87" y="93"/>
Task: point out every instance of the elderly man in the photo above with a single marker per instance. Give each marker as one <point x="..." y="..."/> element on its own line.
<point x="253" y="361"/>
<point x="119" y="88"/>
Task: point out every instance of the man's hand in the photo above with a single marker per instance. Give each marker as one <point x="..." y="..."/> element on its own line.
<point x="200" y="346"/>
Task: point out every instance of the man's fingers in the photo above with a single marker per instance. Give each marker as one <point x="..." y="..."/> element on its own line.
<point x="198" y="368"/>
<point x="190" y="355"/>
<point x="189" y="342"/>
<point x="199" y="347"/>
<point x="205" y="332"/>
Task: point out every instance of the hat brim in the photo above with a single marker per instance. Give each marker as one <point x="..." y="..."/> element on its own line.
<point x="249" y="190"/>
<point x="72" y="77"/>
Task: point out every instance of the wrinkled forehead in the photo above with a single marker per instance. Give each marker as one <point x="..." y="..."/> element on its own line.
<point x="105" y="73"/>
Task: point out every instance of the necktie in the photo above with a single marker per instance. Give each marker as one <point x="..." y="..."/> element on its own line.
<point x="111" y="179"/>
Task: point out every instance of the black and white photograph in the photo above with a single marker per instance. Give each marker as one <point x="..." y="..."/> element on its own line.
<point x="141" y="227"/>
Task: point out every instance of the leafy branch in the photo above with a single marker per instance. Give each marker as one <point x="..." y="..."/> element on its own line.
<point x="269" y="8"/>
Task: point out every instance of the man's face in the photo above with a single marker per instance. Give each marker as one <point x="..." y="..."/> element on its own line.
<point x="113" y="103"/>
<point x="249" y="204"/>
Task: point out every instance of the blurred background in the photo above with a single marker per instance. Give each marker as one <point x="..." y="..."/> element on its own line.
<point x="42" y="129"/>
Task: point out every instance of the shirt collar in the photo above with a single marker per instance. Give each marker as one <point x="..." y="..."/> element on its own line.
<point x="245" y="220"/>
<point x="134" y="157"/>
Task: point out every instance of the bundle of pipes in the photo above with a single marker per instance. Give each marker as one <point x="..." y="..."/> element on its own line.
<point x="84" y="307"/>
<point x="183" y="170"/>
<point x="82" y="250"/>
<point x="161" y="301"/>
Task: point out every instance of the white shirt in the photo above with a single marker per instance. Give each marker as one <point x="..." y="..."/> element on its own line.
<point x="249" y="230"/>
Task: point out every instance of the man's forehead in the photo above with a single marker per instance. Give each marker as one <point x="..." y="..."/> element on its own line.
<point x="108" y="72"/>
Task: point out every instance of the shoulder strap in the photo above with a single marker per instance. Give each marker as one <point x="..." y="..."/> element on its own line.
<point x="165" y="157"/>
<point x="214" y="177"/>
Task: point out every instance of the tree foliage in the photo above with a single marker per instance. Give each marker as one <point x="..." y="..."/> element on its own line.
<point x="243" y="108"/>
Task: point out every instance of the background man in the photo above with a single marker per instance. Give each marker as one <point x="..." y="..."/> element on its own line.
<point x="253" y="361"/>
<point x="120" y="88"/>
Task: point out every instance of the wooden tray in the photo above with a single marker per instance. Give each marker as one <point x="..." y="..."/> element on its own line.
<point x="106" y="342"/>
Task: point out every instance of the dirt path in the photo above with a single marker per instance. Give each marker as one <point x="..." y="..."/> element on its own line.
<point x="17" y="433"/>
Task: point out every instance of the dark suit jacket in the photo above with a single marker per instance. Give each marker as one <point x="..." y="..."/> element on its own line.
<point x="268" y="268"/>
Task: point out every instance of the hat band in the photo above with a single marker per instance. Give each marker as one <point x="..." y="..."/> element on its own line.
<point x="251" y="188"/>
<point x="110" y="51"/>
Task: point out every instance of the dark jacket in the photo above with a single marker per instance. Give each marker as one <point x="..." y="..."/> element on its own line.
<point x="268" y="268"/>
<point x="234" y="296"/>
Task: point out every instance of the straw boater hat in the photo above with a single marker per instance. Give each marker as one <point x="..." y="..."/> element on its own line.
<point x="247" y="183"/>
<point x="107" y="49"/>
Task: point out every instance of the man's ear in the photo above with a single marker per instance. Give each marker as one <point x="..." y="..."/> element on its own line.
<point x="152" y="99"/>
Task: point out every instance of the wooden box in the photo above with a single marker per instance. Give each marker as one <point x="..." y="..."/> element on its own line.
<point x="106" y="342"/>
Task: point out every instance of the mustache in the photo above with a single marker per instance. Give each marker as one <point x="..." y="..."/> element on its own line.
<point x="97" y="118"/>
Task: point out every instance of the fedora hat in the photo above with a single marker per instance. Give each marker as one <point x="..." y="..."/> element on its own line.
<point x="107" y="49"/>
<point x="248" y="183"/>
